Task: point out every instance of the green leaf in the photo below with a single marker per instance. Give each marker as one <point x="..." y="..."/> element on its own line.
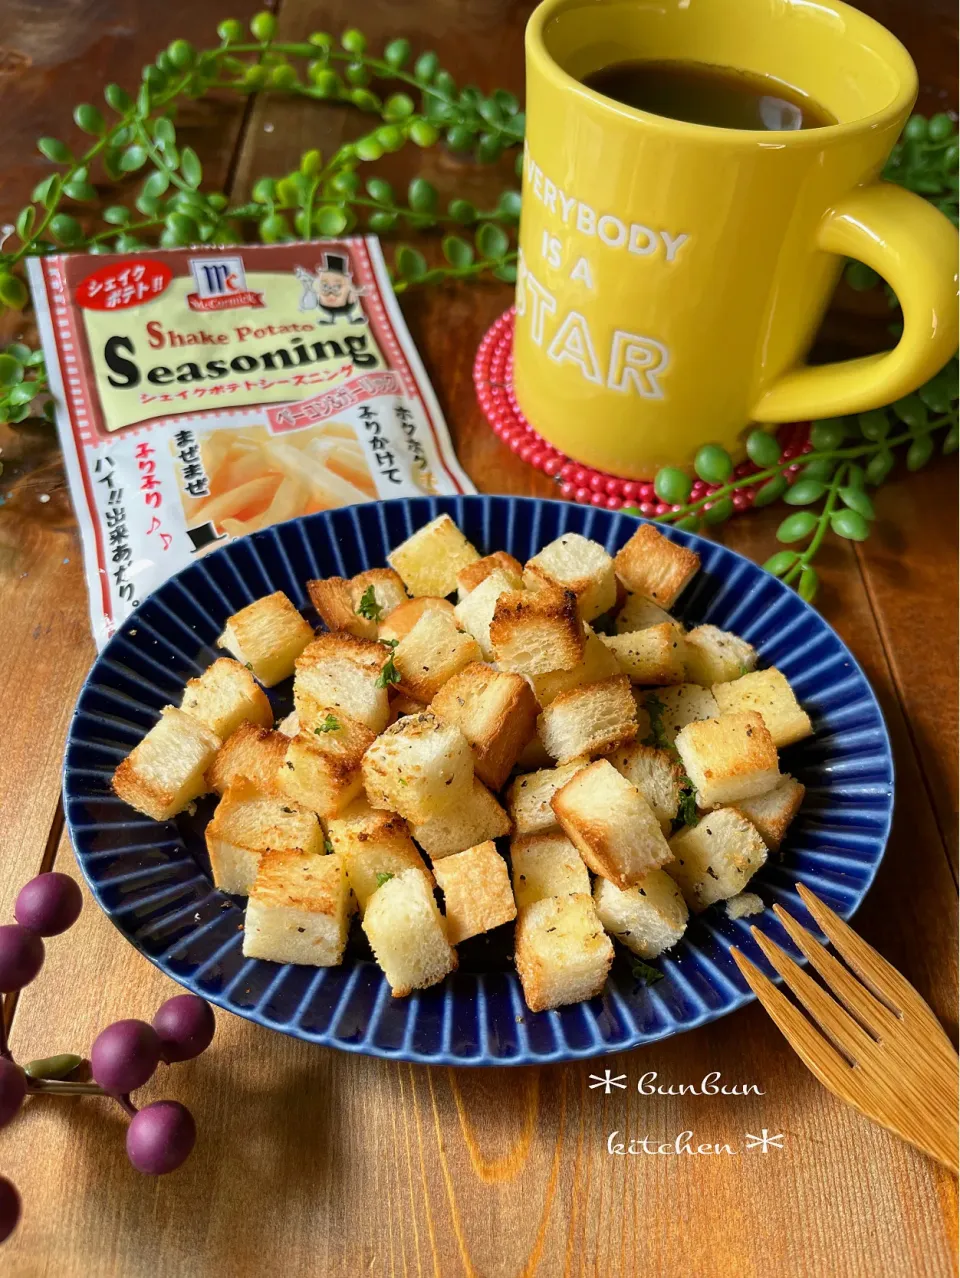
<point x="804" y="492"/>
<point x="117" y="98"/>
<point x="822" y="469"/>
<point x="850" y="524"/>
<point x="155" y="185"/>
<point x="53" y="1066"/>
<point x="422" y="196"/>
<point x="329" y="220"/>
<point x="940" y="393"/>
<point x="274" y="229"/>
<point x="672" y="485"/>
<point x="489" y="148"/>
<point x="54" y="150"/>
<point x="643" y="972"/>
<point x="382" y="221"/>
<point x="230" y="31"/>
<point x="492" y="241"/>
<point x="462" y="211"/>
<point x="920" y="452"/>
<point x="133" y="158"/>
<point x="353" y="41"/>
<point x="860" y="276"/>
<point x="951" y="440"/>
<point x="190" y="167"/>
<point x="47" y="192"/>
<point x="182" y="229"/>
<point x="719" y="511"/>
<point x="426" y="67"/>
<point x="25" y="221"/>
<point x="460" y="138"/>
<point x="263" y="26"/>
<point x="856" y="475"/>
<point x="326" y="83"/>
<point x="879" y="467"/>
<point x="506" y="272"/>
<point x="874" y="425"/>
<point x="713" y="464"/>
<point x="508" y="205"/>
<point x="828" y="434"/>
<point x="457" y="251"/>
<point x="368" y="149"/>
<point x="117" y="215"/>
<point x="781" y="562"/>
<point x="763" y="449"/>
<point x="941" y="127"/>
<point x="89" y="119"/>
<point x="397" y="54"/>
<point x="182" y="54"/>
<point x="912" y="411"/>
<point x="65" y="229"/>
<point x="11" y="370"/>
<point x="82" y="192"/>
<point x="808" y="584"/>
<point x="797" y="526"/>
<point x="423" y="133"/>
<point x="857" y="499"/>
<point x="689" y="523"/>
<point x="771" y="491"/>
<point x="398" y="106"/>
<point x="411" y="265"/>
<point x="380" y="190"/>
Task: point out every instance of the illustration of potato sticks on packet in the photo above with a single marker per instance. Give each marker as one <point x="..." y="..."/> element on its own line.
<point x="206" y="393"/>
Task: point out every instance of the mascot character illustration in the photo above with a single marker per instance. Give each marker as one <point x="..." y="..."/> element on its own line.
<point x="331" y="290"/>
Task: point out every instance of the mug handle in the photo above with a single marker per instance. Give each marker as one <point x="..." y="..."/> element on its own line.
<point x="914" y="247"/>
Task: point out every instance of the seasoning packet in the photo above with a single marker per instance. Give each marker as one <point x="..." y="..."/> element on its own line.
<point x="204" y="393"/>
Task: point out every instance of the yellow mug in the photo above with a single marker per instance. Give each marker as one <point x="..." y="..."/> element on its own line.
<point x="672" y="276"/>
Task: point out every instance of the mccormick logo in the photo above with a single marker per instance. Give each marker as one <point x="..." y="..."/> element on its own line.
<point x="221" y="285"/>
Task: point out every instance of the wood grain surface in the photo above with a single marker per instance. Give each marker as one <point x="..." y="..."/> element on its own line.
<point x="314" y="1162"/>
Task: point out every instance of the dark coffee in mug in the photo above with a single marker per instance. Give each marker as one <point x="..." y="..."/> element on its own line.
<point x="703" y="94"/>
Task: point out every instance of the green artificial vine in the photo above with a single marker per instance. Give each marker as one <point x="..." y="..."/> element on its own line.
<point x="417" y="102"/>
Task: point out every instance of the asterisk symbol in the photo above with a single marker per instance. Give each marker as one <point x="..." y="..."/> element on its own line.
<point x="607" y="1081"/>
<point x="764" y="1142"/>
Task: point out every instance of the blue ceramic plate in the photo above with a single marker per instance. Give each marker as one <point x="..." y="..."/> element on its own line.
<point x="153" y="880"/>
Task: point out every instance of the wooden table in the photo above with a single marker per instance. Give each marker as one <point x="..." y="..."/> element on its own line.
<point x="312" y="1162"/>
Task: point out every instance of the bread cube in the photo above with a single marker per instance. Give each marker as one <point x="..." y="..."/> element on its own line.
<point x="744" y="903"/>
<point x="372" y="853"/>
<point x="321" y="770"/>
<point x="772" y="813"/>
<point x="529" y="797"/>
<point x="359" y="818"/>
<point x="611" y="824"/>
<point x="433" y="652"/>
<point x="729" y="758"/>
<point x="476" y="891"/>
<point x="475" y="612"/>
<point x="546" y="865"/>
<point x="535" y="632"/>
<point x="638" y="613"/>
<point x="770" y="695"/>
<point x="470" y="577"/>
<point x="673" y="708"/>
<point x="251" y="752"/>
<point x="341" y="675"/>
<point x="654" y="656"/>
<point x="226" y="695"/>
<point x="573" y="562"/>
<point x="359" y="604"/>
<point x="429" y="560"/>
<point x="403" y="619"/>
<point x="267" y="637"/>
<point x="472" y="820"/>
<point x="298" y="910"/>
<point x="165" y="772"/>
<point x="561" y="951"/>
<point x="656" y="776"/>
<point x="420" y="767"/>
<point x="717" y="656"/>
<point x="716" y="858"/>
<point x="652" y="565"/>
<point x="590" y="720"/>
<point x="245" y="825"/>
<point x="408" y="934"/>
<point x="647" y="918"/>
<point x="495" y="710"/>
<point x="289" y="725"/>
<point x="598" y="663"/>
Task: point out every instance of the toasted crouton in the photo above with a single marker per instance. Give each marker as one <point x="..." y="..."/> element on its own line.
<point x="717" y="656"/>
<point x="654" y="656"/>
<point x="433" y="652"/>
<point x="403" y="619"/>
<point x="470" y="577"/>
<point x="429" y="560"/>
<point x="245" y="825"/>
<point x="562" y="953"/>
<point x="495" y="710"/>
<point x="770" y="695"/>
<point x="359" y="604"/>
<point x="267" y="637"/>
<point x="374" y="846"/>
<point x="716" y="858"/>
<point x="573" y="562"/>
<point x="655" y="775"/>
<point x="729" y="758"/>
<point x="590" y="720"/>
<point x="165" y="772"/>
<point x="611" y="824"/>
<point x="476" y="891"/>
<point x="671" y="709"/>
<point x="321" y="770"/>
<point x="772" y="812"/>
<point x="408" y="934"/>
<point x="647" y="918"/>
<point x="744" y="903"/>
<point x="475" y="612"/>
<point x="226" y="695"/>
<point x="653" y="566"/>
<point x="358" y="818"/>
<point x="546" y="865"/>
<point x="598" y="663"/>
<point x="536" y="631"/>
<point x="289" y="725"/>
<point x="638" y="613"/>
<point x="298" y="910"/>
<point x="529" y="796"/>
<point x="420" y="767"/>
<point x="472" y="820"/>
<point x="340" y="674"/>
<point x="251" y="752"/>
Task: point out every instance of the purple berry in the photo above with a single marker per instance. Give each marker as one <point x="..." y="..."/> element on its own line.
<point x="124" y="1056"/>
<point x="185" y="1025"/>
<point x="21" y="957"/>
<point x="49" y="904"/>
<point x="13" y="1088"/>
<point x="9" y="1208"/>
<point x="161" y="1137"/>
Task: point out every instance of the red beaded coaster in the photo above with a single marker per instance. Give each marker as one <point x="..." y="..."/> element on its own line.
<point x="493" y="379"/>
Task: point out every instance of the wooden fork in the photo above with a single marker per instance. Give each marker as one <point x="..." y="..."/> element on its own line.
<point x="887" y="1054"/>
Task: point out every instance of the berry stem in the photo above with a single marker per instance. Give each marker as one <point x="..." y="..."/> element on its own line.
<point x="124" y="1101"/>
<point x="62" y="1087"/>
<point x="823" y="523"/>
<point x="4" y="1044"/>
